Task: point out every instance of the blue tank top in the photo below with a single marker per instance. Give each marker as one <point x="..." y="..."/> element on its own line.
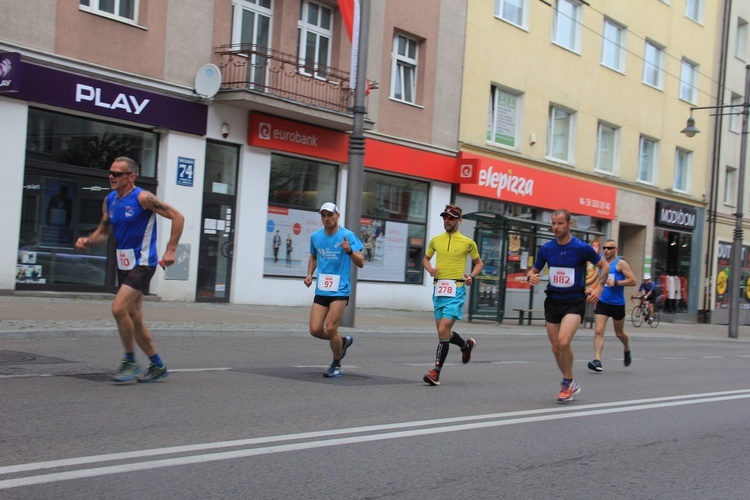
<point x="614" y="295"/>
<point x="134" y="229"/>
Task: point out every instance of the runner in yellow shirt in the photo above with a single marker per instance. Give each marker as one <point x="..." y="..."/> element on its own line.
<point x="450" y="280"/>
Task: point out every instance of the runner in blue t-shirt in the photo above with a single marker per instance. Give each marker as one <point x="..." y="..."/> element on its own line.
<point x="565" y="305"/>
<point x="612" y="305"/>
<point x="332" y="250"/>
<point x="129" y="214"/>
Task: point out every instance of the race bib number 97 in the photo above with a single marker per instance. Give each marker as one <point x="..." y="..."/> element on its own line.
<point x="329" y="282"/>
<point x="562" y="277"/>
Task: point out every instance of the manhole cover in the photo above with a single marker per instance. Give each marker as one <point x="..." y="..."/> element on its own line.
<point x="19" y="358"/>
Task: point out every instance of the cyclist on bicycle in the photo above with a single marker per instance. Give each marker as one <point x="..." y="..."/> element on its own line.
<point x="648" y="288"/>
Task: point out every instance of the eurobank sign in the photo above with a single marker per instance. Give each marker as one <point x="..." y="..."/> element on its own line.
<point x="280" y="134"/>
<point x="271" y="132"/>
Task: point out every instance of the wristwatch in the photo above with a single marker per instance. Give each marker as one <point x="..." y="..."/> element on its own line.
<point x="616" y="282"/>
<point x="471" y="275"/>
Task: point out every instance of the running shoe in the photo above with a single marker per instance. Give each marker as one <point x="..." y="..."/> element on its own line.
<point x="126" y="372"/>
<point x="346" y="343"/>
<point x="334" y="371"/>
<point x="627" y="359"/>
<point x="596" y="366"/>
<point x="432" y="377"/>
<point x="153" y="373"/>
<point x="466" y="351"/>
<point x="568" y="390"/>
<point x="650" y="320"/>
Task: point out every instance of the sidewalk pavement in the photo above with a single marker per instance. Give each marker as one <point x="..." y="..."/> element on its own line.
<point x="48" y="315"/>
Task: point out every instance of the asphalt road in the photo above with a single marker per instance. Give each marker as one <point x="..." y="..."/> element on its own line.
<point x="252" y="417"/>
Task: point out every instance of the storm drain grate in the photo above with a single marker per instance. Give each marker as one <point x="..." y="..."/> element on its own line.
<point x="20" y="358"/>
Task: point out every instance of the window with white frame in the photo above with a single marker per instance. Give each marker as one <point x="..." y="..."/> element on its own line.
<point x="122" y="9"/>
<point x="689" y="82"/>
<point x="404" y="69"/>
<point x="607" y="148"/>
<point x="735" y="118"/>
<point x="730" y="186"/>
<point x="513" y="11"/>
<point x="647" y="162"/>
<point x="503" y="122"/>
<point x="653" y="65"/>
<point x="560" y="134"/>
<point x="694" y="10"/>
<point x="314" y="30"/>
<point x="251" y="26"/>
<point x="566" y="31"/>
<point x="741" y="47"/>
<point x="613" y="46"/>
<point x="683" y="164"/>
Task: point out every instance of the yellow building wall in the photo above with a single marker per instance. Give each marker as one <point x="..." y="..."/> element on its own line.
<point x="529" y="62"/>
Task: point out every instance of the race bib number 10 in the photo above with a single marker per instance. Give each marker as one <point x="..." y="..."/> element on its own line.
<point x="445" y="288"/>
<point x="125" y="259"/>
<point x="562" y="277"/>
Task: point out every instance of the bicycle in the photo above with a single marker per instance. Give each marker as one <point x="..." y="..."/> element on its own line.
<point x="640" y="313"/>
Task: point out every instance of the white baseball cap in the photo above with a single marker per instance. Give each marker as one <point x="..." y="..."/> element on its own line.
<point x="646" y="276"/>
<point x="329" y="207"/>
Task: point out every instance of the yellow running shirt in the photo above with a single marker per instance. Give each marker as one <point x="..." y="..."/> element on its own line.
<point x="451" y="249"/>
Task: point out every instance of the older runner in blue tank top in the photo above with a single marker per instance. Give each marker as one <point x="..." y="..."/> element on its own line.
<point x="567" y="294"/>
<point x="612" y="305"/>
<point x="129" y="213"/>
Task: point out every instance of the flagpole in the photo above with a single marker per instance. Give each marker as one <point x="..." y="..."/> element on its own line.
<point x="355" y="177"/>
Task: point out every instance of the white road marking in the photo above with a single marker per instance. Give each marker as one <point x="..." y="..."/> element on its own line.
<point x="186" y="370"/>
<point x="312" y="440"/>
<point x="27" y="375"/>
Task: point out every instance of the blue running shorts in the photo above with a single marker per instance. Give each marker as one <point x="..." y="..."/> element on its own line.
<point x="450" y="307"/>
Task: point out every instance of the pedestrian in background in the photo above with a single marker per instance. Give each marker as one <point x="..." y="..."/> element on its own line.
<point x="565" y="305"/>
<point x="450" y="282"/>
<point x="129" y="213"/>
<point x="611" y="304"/>
<point x="332" y="251"/>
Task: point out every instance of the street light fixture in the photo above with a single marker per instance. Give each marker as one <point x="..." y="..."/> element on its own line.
<point x="735" y="271"/>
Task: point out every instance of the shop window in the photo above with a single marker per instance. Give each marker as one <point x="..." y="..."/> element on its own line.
<point x="82" y="142"/>
<point x="297" y="189"/>
<point x="393" y="229"/>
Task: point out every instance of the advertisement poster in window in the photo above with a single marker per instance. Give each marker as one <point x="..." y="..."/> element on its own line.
<point x="385" y="250"/>
<point x="723" y="276"/>
<point x="287" y="245"/>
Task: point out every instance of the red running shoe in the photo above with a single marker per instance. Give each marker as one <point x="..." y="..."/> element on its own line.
<point x="432" y="377"/>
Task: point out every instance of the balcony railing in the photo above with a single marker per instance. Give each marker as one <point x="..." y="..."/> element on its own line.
<point x="256" y="69"/>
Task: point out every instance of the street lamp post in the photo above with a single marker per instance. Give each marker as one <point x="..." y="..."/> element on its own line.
<point x="735" y="272"/>
<point x="355" y="172"/>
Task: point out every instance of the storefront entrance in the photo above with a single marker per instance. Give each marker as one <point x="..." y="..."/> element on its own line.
<point x="218" y="223"/>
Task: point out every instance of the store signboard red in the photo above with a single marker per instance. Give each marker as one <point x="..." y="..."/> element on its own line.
<point x="504" y="181"/>
<point x="271" y="132"/>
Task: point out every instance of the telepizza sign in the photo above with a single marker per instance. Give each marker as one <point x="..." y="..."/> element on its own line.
<point x="504" y="181"/>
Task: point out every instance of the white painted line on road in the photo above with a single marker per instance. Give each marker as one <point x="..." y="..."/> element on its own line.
<point x="434" y="426"/>
<point x="185" y="370"/>
<point x="510" y="362"/>
<point x="28" y="375"/>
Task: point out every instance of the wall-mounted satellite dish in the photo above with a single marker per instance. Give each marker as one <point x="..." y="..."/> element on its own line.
<point x="207" y="80"/>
